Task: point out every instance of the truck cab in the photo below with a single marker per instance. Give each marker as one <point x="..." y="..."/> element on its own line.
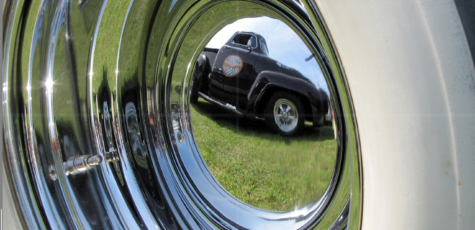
<point x="233" y="71"/>
<point x="241" y="77"/>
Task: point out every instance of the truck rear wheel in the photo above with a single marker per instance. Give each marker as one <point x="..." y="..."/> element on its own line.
<point x="194" y="88"/>
<point x="284" y="114"/>
<point x="201" y="70"/>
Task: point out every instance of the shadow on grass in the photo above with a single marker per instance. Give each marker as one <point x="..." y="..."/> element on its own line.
<point x="258" y="127"/>
<point x="259" y="167"/>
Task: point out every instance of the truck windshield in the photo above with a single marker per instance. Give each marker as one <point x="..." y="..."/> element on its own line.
<point x="242" y="39"/>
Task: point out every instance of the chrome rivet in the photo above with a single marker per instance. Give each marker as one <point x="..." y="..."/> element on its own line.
<point x="52" y="173"/>
<point x="180" y="136"/>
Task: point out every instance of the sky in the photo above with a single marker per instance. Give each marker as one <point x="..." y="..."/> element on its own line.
<point x="284" y="45"/>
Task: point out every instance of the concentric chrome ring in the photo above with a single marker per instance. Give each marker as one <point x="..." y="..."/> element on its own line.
<point x="77" y="84"/>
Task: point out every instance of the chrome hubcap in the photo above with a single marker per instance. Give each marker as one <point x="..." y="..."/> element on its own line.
<point x="115" y="149"/>
<point x="285" y="115"/>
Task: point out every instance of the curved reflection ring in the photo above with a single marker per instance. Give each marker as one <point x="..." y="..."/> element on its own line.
<point x="201" y="192"/>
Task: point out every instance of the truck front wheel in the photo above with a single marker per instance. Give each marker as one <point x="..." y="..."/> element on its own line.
<point x="284" y="114"/>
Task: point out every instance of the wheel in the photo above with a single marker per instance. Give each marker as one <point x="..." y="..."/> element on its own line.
<point x="284" y="114"/>
<point x="97" y="125"/>
<point x="195" y="85"/>
<point x="201" y="70"/>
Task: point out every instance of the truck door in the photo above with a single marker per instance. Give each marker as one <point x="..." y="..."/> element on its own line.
<point x="233" y="71"/>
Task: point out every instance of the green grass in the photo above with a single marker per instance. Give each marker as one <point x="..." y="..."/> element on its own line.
<point x="254" y="164"/>
<point x="258" y="166"/>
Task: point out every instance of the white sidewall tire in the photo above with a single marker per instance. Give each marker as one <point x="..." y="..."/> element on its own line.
<point x="11" y="219"/>
<point x="411" y="79"/>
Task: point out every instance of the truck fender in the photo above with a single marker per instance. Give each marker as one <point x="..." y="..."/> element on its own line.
<point x="202" y="64"/>
<point x="201" y="71"/>
<point x="268" y="81"/>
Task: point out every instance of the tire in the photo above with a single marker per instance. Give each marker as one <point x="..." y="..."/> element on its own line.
<point x="201" y="70"/>
<point x="409" y="105"/>
<point x="289" y="122"/>
<point x="195" y="86"/>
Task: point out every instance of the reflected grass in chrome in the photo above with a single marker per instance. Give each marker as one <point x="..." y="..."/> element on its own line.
<point x="259" y="167"/>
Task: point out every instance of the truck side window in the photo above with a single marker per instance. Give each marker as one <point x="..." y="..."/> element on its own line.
<point x="242" y="39"/>
<point x="264" y="47"/>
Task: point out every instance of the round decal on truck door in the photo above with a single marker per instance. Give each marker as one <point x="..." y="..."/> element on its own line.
<point x="232" y="65"/>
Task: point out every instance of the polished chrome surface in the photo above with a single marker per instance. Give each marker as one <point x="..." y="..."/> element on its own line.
<point x="342" y="221"/>
<point x="285" y="115"/>
<point x="206" y="191"/>
<point x="283" y="167"/>
<point x="75" y="165"/>
<point x="111" y="155"/>
<point x="16" y="163"/>
<point x="97" y="121"/>
<point x="343" y="94"/>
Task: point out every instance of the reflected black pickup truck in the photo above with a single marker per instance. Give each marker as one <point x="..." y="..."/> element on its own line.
<point x="241" y="77"/>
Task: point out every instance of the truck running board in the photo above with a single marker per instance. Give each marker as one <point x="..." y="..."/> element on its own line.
<point x="227" y="106"/>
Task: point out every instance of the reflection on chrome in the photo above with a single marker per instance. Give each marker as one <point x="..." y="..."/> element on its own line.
<point x="246" y="89"/>
<point x="236" y="160"/>
<point x="176" y="115"/>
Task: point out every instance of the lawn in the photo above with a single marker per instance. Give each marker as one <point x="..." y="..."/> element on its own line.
<point x="258" y="166"/>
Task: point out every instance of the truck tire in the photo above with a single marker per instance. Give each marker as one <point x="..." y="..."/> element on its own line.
<point x="284" y="114"/>
<point x="411" y="73"/>
<point x="195" y="85"/>
<point x="201" y="70"/>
